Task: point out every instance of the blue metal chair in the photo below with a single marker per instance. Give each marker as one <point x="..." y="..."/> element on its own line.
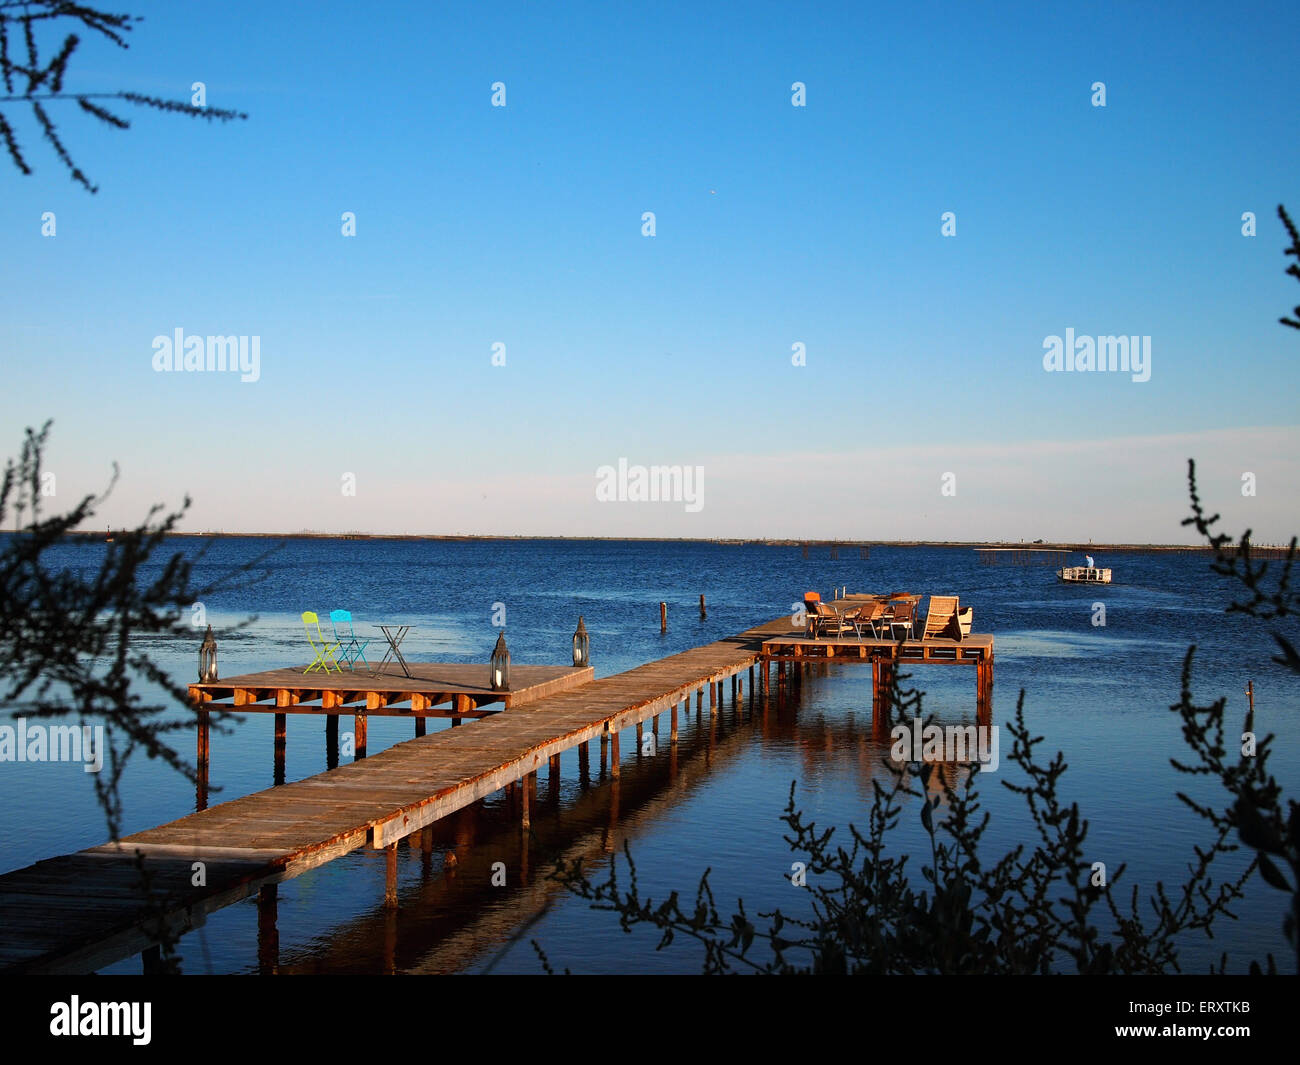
<point x="353" y="646"/>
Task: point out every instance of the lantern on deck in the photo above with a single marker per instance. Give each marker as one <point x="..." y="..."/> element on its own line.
<point x="581" y="645"/>
<point x="208" y="658"/>
<point x="499" y="671"/>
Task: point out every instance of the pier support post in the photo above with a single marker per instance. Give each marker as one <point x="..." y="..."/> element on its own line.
<point x="640" y="737"/>
<point x="201" y="761"/>
<point x="584" y="763"/>
<point x="359" y="735"/>
<point x="663" y="617"/>
<point x="331" y="741"/>
<point x="604" y="749"/>
<point x="984" y="691"/>
<point x="713" y="697"/>
<point x="613" y="753"/>
<point x="525" y="820"/>
<point x="419" y="726"/>
<point x="882" y="681"/>
<point x="390" y="877"/>
<point x="268" y="937"/>
<point x="672" y="726"/>
<point x="704" y="614"/>
<point x="553" y="781"/>
<point x="281" y="731"/>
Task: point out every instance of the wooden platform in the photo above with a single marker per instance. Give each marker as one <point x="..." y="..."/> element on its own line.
<point x="971" y="649"/>
<point x="461" y="685"/>
<point x="79" y="912"/>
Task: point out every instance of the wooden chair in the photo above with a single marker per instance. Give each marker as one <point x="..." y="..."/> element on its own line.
<point x="810" y="601"/>
<point x="904" y="617"/>
<point x="827" y="618"/>
<point x="941" y="619"/>
<point x="870" y="617"/>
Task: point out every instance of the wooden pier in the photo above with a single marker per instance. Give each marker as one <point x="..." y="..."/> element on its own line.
<point x="80" y="912"/>
<point x="454" y="690"/>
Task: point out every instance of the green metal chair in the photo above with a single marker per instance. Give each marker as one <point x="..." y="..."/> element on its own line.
<point x="320" y="644"/>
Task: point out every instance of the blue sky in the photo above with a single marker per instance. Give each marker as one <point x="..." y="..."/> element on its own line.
<point x="775" y="225"/>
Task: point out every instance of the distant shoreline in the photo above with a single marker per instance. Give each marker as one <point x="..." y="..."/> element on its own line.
<point x="821" y="543"/>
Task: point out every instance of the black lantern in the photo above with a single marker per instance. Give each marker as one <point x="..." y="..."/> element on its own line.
<point x="208" y="658"/>
<point x="499" y="673"/>
<point x="581" y="645"/>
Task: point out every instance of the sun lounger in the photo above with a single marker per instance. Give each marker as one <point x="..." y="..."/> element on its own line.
<point x="941" y="619"/>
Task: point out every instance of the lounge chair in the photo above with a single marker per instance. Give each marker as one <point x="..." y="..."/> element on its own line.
<point x="941" y="619"/>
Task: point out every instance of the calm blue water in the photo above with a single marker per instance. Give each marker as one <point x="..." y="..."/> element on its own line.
<point x="1099" y="694"/>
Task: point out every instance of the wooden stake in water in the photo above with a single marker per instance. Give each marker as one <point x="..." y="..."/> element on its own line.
<point x="663" y="617"/>
<point x="704" y="614"/>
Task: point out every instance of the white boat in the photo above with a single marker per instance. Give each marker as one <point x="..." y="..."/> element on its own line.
<point x="1084" y="575"/>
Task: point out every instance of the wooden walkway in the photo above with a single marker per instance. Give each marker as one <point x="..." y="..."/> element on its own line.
<point x="79" y="912"/>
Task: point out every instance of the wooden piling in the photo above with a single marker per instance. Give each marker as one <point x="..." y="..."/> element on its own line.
<point x="672" y="725"/>
<point x="613" y="754"/>
<point x="663" y="617"/>
<point x="359" y="735"/>
<point x="280" y="743"/>
<point x="201" y="761"/>
<point x="704" y="614"/>
<point x="268" y="936"/>
<point x="526" y="821"/>
<point x="332" y="741"/>
<point x="390" y="876"/>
